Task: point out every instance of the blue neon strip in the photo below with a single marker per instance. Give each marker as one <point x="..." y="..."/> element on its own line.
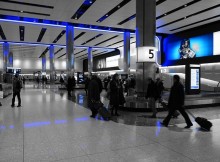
<point x="55" y="45"/>
<point x="60" y="121"/>
<point x="36" y="124"/>
<point x="35" y="21"/>
<point x="81" y="119"/>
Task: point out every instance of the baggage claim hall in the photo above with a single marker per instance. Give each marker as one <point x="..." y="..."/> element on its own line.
<point x="109" y="80"/>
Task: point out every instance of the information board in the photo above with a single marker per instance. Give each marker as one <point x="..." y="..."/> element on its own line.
<point x="194" y="79"/>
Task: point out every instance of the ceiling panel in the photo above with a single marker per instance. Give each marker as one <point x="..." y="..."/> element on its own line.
<point x="97" y="10"/>
<point x="64" y="10"/>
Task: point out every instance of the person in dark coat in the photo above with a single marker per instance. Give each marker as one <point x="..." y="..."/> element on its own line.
<point x="17" y="85"/>
<point x="99" y="81"/>
<point x="176" y="102"/>
<point x="93" y="95"/>
<point x="70" y="85"/>
<point x="159" y="88"/>
<point x="106" y="81"/>
<point x="114" y="94"/>
<point x="152" y="97"/>
<point x="87" y="80"/>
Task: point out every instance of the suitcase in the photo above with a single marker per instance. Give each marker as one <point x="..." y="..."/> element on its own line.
<point x="203" y="122"/>
<point x="104" y="113"/>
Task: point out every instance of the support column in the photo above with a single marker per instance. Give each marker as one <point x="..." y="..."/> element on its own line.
<point x="90" y="60"/>
<point x="5" y="56"/>
<point x="126" y="56"/>
<point x="44" y="63"/>
<point x="52" y="68"/>
<point x="10" y="59"/>
<point x="70" y="50"/>
<point x="145" y="37"/>
<point x="145" y="23"/>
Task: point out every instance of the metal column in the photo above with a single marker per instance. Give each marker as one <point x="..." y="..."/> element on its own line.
<point x="145" y="37"/>
<point x="70" y="50"/>
<point x="90" y="60"/>
<point x="126" y="56"/>
<point x="5" y="56"/>
<point x="52" y="68"/>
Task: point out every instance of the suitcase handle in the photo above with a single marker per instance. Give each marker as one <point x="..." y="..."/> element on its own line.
<point x="191" y="114"/>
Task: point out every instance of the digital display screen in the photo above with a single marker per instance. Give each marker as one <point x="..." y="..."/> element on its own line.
<point x="11" y="70"/>
<point x="194" y="47"/>
<point x="80" y="78"/>
<point x="112" y="61"/>
<point x="195" y="79"/>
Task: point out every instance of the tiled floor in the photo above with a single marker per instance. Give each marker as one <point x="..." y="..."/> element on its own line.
<point x="50" y="127"/>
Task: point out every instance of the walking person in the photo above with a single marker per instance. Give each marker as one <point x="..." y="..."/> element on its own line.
<point x="114" y="94"/>
<point x="70" y="85"/>
<point x="93" y="95"/>
<point x="87" y="80"/>
<point x="176" y="102"/>
<point x="152" y="96"/>
<point x="159" y="89"/>
<point x="17" y="85"/>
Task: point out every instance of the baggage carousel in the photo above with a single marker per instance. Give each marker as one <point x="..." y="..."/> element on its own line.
<point x="203" y="100"/>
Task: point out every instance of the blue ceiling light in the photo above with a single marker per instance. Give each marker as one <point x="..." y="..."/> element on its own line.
<point x="55" y="45"/>
<point x="82" y="9"/>
<point x="51" y="23"/>
<point x="116" y="8"/>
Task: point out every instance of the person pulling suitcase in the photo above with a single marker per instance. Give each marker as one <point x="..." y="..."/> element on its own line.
<point x="176" y="102"/>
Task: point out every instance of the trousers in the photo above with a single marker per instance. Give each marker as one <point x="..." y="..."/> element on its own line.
<point x="182" y="112"/>
<point x="18" y="96"/>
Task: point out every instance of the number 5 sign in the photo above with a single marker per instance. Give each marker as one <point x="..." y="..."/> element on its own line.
<point x="146" y="54"/>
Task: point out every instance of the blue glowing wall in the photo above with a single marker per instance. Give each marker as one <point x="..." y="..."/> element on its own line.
<point x="202" y="45"/>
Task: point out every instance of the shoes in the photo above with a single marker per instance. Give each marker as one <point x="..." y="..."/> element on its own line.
<point x="162" y="123"/>
<point x="12" y="106"/>
<point x="19" y="106"/>
<point x="188" y="126"/>
<point x="153" y="116"/>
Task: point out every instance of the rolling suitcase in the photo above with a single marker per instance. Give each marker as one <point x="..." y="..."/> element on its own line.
<point x="104" y="113"/>
<point x="203" y="122"/>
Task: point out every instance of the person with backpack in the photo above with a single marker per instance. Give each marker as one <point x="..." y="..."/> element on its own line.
<point x="17" y="85"/>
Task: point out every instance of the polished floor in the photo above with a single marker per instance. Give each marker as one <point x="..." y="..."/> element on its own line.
<point x="51" y="127"/>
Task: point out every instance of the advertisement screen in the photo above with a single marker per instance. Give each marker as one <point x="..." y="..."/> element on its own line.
<point x="194" y="47"/>
<point x="112" y="61"/>
<point x="195" y="79"/>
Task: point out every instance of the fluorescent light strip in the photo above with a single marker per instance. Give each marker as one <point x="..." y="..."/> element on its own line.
<point x="63" y="26"/>
<point x="32" y="23"/>
<point x="56" y="45"/>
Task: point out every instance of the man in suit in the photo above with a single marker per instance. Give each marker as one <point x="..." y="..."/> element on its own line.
<point x="176" y="102"/>
<point x="17" y="85"/>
